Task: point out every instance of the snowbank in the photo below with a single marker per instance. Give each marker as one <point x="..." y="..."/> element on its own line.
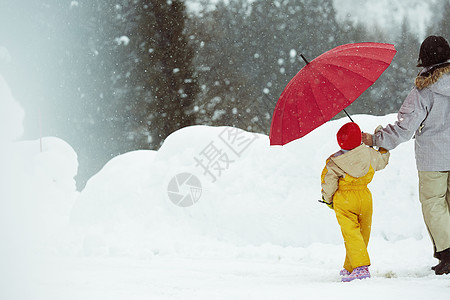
<point x="242" y="193"/>
<point x="215" y="205"/>
<point x="37" y="192"/>
<point x="251" y="195"/>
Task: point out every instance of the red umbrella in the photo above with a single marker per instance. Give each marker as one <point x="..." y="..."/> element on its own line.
<point x="326" y="86"/>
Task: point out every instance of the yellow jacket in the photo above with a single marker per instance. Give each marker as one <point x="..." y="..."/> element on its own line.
<point x="360" y="163"/>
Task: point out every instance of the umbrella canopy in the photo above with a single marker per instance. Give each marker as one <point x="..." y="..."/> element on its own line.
<point x="326" y="86"/>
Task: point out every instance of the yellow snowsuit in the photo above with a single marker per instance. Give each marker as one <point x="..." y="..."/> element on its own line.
<point x="344" y="182"/>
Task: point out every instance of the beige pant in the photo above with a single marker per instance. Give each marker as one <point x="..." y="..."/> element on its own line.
<point x="434" y="194"/>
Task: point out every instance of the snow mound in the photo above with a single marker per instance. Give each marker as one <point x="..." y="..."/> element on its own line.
<point x="207" y="191"/>
<point x="249" y="194"/>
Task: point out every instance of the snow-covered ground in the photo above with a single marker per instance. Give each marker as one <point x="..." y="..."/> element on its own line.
<point x="254" y="229"/>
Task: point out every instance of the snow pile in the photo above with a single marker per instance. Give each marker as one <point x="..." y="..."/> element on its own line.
<point x="37" y="191"/>
<point x="251" y="195"/>
<point x="44" y="180"/>
<point x="11" y="230"/>
<point x="254" y="220"/>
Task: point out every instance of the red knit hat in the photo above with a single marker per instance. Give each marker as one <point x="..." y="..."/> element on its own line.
<point x="349" y="136"/>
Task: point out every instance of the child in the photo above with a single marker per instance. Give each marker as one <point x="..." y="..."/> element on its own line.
<point x="344" y="188"/>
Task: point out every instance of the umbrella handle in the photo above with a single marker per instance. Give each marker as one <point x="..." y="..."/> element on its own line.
<point x="348" y="115"/>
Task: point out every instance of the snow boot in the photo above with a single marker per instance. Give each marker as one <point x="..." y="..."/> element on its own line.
<point x="357" y="273"/>
<point x="434" y="267"/>
<point x="344" y="272"/>
<point x="444" y="266"/>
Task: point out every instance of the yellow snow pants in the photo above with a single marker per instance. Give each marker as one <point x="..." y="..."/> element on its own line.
<point x="353" y="207"/>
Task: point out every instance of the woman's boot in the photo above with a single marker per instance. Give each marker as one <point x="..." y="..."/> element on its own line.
<point x="444" y="266"/>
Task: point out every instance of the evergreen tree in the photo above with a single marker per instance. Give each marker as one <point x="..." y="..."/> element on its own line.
<point x="403" y="67"/>
<point x="439" y="24"/>
<point x="222" y="64"/>
<point x="137" y="79"/>
<point x="119" y="62"/>
<point x="245" y="78"/>
<point x="173" y="84"/>
<point x="443" y="26"/>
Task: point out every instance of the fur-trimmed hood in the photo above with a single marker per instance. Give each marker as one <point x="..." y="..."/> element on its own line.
<point x="429" y="77"/>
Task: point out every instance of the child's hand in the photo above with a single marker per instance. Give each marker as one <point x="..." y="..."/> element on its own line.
<point x="367" y="139"/>
<point x="329" y="204"/>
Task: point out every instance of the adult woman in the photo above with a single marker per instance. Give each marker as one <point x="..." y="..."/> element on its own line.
<point x="425" y="114"/>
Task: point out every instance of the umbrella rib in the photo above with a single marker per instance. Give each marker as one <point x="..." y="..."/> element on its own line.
<point x="280" y="109"/>
<point x="362" y="54"/>
<point x="340" y="92"/>
<point x="315" y="104"/>
<point x="344" y="68"/>
<point x="356" y="56"/>
<point x="351" y="71"/>
<point x="282" y="114"/>
<point x="362" y="46"/>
